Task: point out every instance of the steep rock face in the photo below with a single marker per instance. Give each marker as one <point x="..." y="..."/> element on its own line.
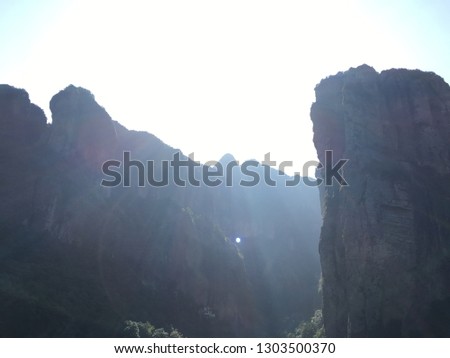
<point x="19" y="118"/>
<point x="81" y="128"/>
<point x="385" y="240"/>
<point x="78" y="259"/>
<point x="22" y="126"/>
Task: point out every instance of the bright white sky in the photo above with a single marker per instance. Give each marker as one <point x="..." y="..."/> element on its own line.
<point x="213" y="77"/>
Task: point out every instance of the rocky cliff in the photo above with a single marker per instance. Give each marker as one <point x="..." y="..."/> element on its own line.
<point x="78" y="259"/>
<point x="385" y="240"/>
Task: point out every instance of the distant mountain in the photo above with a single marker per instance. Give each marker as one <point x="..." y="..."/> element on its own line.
<point x="385" y="240"/>
<point x="78" y="259"/>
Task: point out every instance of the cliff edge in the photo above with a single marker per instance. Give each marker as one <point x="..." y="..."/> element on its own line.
<point x="385" y="240"/>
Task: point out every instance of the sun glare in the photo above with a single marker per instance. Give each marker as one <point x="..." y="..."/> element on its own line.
<point x="217" y="77"/>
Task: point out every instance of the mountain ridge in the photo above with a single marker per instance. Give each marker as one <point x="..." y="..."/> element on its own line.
<point x="81" y="259"/>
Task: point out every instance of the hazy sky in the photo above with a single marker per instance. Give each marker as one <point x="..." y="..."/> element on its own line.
<point x="212" y="77"/>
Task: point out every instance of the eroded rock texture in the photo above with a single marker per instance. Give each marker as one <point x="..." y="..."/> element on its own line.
<point x="385" y="240"/>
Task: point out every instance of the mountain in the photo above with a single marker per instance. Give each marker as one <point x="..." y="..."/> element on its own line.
<point x="385" y="240"/>
<point x="80" y="255"/>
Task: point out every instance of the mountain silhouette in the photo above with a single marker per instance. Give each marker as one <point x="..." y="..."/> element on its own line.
<point x="79" y="259"/>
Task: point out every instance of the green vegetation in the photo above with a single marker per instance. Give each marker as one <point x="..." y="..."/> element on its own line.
<point x="310" y="329"/>
<point x="134" y="329"/>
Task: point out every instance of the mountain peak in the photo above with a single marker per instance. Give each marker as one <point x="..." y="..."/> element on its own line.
<point x="80" y="125"/>
<point x="19" y="118"/>
<point x="227" y="158"/>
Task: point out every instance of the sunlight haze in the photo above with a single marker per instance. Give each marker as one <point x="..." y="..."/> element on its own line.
<point x="214" y="77"/>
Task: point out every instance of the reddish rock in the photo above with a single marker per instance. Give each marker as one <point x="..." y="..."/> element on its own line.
<point x="385" y="240"/>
